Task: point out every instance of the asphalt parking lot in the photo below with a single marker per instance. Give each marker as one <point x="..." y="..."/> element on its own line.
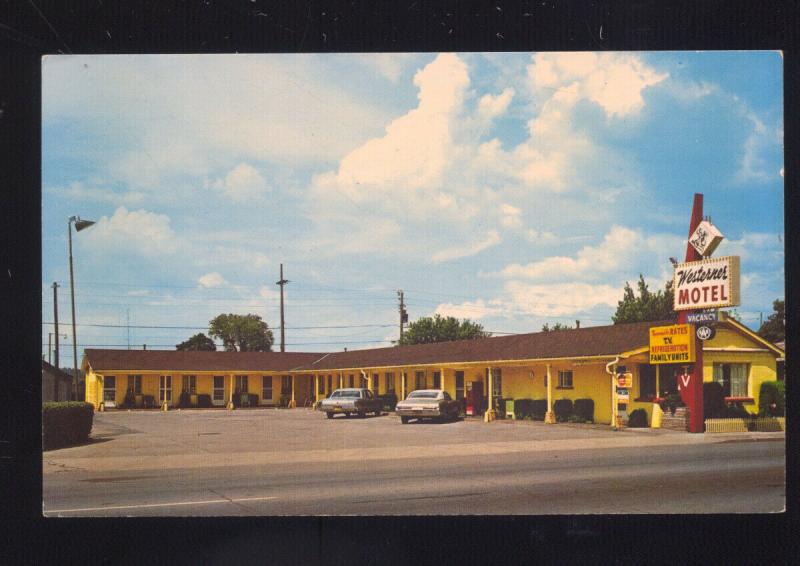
<point x="297" y="462"/>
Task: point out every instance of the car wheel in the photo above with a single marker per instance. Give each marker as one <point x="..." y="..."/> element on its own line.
<point x="329" y="414"/>
<point x="404" y="420"/>
<point x="362" y="414"/>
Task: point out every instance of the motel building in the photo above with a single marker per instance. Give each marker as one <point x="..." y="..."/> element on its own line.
<point x="571" y="364"/>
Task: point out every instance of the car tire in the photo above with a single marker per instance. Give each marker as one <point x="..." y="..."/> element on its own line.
<point x="404" y="420"/>
<point x="362" y="414"/>
<point x="329" y="414"/>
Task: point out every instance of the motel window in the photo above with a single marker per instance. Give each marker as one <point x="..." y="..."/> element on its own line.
<point x="376" y="383"/>
<point x="565" y="379"/>
<point x="363" y="382"/>
<point x="190" y="383"/>
<point x="350" y="380"/>
<point x="389" y="377"/>
<point x="647" y="381"/>
<point x="497" y="383"/>
<point x="241" y="383"/>
<point x="330" y="383"/>
<point x="266" y="388"/>
<point x="459" y="385"/>
<point x="286" y="385"/>
<point x="437" y="380"/>
<point x="419" y="378"/>
<point x="165" y="388"/>
<point x="109" y="389"/>
<point x="135" y="384"/>
<point x="321" y="385"/>
<point x="733" y="378"/>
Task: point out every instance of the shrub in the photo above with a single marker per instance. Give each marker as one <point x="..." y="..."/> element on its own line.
<point x="523" y="408"/>
<point x="638" y="419"/>
<point x="148" y="401"/>
<point x="389" y="400"/>
<point x="563" y="409"/>
<point x="538" y="409"/>
<point x="584" y="408"/>
<point x="66" y="423"/>
<point x="672" y="401"/>
<point x="713" y="401"/>
<point x="184" y="399"/>
<point x="735" y="411"/>
<point x="204" y="401"/>
<point x="772" y="399"/>
<point x="130" y="399"/>
<point x="575" y="418"/>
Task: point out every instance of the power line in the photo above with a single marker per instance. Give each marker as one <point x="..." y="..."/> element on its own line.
<point x="155" y="327"/>
<point x="288" y="344"/>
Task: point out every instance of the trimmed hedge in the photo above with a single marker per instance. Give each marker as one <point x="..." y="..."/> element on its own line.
<point x="523" y="408"/>
<point x="204" y="401"/>
<point x="184" y="400"/>
<point x="772" y="399"/>
<point x="584" y="409"/>
<point x="66" y="423"/>
<point x="638" y="419"/>
<point x="714" y="401"/>
<point x="563" y="409"/>
<point x="538" y="409"/>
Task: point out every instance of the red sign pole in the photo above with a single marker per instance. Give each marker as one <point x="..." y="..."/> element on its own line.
<point x="692" y="395"/>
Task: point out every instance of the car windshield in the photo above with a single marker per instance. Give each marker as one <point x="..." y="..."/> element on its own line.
<point x="350" y="394"/>
<point x="423" y="395"/>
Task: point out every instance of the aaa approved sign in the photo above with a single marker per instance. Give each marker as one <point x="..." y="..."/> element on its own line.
<point x="672" y="344"/>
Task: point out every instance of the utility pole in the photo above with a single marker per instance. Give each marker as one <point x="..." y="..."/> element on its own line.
<point x="403" y="315"/>
<point x="282" y="283"/>
<point x="55" y="322"/>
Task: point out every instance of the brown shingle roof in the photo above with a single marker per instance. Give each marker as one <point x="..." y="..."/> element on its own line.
<point x="173" y="360"/>
<point x="592" y="341"/>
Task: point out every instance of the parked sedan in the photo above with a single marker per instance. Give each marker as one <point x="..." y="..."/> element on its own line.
<point x="351" y="402"/>
<point x="428" y="404"/>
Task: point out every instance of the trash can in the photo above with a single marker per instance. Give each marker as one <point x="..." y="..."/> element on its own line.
<point x="510" y="409"/>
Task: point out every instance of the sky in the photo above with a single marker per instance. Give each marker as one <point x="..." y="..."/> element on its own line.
<point x="514" y="189"/>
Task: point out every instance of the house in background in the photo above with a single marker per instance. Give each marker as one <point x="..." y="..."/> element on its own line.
<point x="56" y="384"/>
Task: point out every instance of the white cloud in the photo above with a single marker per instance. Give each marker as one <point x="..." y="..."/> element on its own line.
<point x="560" y="299"/>
<point x="615" y="81"/>
<point x="492" y="239"/>
<point x="211" y="280"/>
<point x="510" y="216"/>
<point x="754" y="166"/>
<point x="243" y="183"/>
<point x="491" y="106"/>
<point x="388" y="65"/>
<point x="79" y="191"/>
<point x="416" y="147"/>
<point x="139" y="232"/>
<point x="474" y="310"/>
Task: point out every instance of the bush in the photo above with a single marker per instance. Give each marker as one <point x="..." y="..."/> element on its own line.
<point x="735" y="411"/>
<point x="638" y="419"/>
<point x="584" y="408"/>
<point x="204" y="401"/>
<point x="538" y="409"/>
<point x="184" y="400"/>
<point x="671" y="402"/>
<point x="772" y="399"/>
<point x="523" y="408"/>
<point x="66" y="423"/>
<point x="575" y="418"/>
<point x="714" y="401"/>
<point x="130" y="399"/>
<point x="389" y="400"/>
<point x="563" y="409"/>
<point x="148" y="401"/>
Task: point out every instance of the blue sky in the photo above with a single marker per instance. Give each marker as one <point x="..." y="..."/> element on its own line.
<point x="515" y="189"/>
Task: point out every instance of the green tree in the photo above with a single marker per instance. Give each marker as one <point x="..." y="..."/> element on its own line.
<point x="198" y="342"/>
<point x="774" y="328"/>
<point x="647" y="306"/>
<point x="557" y="326"/>
<point x="242" y="332"/>
<point x="437" y="328"/>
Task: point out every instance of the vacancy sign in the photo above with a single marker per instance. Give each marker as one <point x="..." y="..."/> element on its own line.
<point x="672" y="344"/>
<point x="706" y="284"/>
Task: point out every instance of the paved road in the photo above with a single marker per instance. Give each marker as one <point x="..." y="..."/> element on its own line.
<point x="211" y="464"/>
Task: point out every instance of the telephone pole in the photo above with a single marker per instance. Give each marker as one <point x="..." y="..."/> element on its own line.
<point x="55" y="320"/>
<point x="403" y="315"/>
<point x="282" y="283"/>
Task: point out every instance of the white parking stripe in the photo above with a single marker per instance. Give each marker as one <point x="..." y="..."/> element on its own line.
<point x="150" y="505"/>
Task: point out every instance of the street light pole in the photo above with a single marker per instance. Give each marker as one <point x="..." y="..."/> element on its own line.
<point x="79" y="225"/>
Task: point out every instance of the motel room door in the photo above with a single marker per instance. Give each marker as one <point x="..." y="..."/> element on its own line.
<point x="218" y="392"/>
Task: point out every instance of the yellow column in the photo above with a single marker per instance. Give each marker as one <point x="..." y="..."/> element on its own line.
<point x="614" y="398"/>
<point x="655" y="419"/>
<point x="550" y="416"/>
<point x="369" y="381"/>
<point x="441" y="379"/>
<point x="316" y="389"/>
<point x="490" y="413"/>
<point x="402" y="385"/>
<point x="230" y="392"/>
<point x="292" y="403"/>
<point x="341" y="380"/>
<point x="658" y="379"/>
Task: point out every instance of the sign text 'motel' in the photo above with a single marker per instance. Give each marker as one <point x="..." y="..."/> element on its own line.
<point x="672" y="344"/>
<point x="708" y="283"/>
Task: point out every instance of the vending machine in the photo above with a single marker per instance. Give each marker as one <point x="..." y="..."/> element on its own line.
<point x="474" y="398"/>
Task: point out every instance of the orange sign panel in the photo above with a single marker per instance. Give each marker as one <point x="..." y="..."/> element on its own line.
<point x="672" y="344"/>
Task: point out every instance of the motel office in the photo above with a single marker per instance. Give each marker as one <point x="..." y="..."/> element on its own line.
<point x="553" y="365"/>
